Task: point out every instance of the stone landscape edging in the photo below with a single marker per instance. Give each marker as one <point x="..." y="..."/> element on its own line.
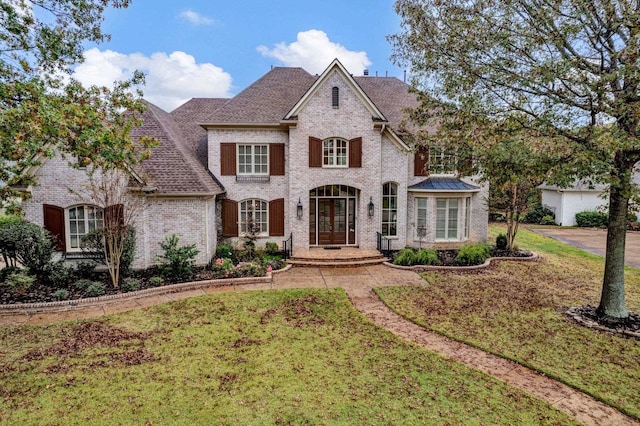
<point x="421" y="268"/>
<point x="68" y="305"/>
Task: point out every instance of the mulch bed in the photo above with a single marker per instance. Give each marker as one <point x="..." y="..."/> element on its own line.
<point x="588" y="317"/>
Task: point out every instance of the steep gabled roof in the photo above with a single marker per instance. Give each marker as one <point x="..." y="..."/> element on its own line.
<point x="188" y="115"/>
<point x="267" y="100"/>
<point x="172" y="168"/>
<point x="337" y="66"/>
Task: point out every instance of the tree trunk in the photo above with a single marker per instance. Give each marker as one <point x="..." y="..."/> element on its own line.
<point x="612" y="303"/>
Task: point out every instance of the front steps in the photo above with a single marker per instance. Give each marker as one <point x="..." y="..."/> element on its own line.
<point x="336" y="257"/>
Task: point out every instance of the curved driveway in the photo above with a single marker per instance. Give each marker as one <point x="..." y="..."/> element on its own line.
<point x="594" y="241"/>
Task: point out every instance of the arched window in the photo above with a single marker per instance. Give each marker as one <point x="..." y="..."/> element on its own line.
<point x="82" y="220"/>
<point x="335" y="97"/>
<point x="390" y="209"/>
<point x="254" y="217"/>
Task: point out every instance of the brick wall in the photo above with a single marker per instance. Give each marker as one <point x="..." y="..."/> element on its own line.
<point x="190" y="218"/>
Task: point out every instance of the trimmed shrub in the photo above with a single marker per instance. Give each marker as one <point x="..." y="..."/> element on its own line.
<point x="60" y="294"/>
<point x="501" y="242"/>
<point x="86" y="270"/>
<point x="177" y="262"/>
<point x="19" y="282"/>
<point x="130" y="284"/>
<point x="592" y="219"/>
<point x="405" y="257"/>
<point x="95" y="289"/>
<point x="156" y="281"/>
<point x="271" y="248"/>
<point x="473" y="254"/>
<point x="58" y="274"/>
<point x="26" y="243"/>
<point x="83" y="284"/>
<point x="8" y="270"/>
<point x="426" y="257"/>
<point x="222" y="268"/>
<point x="547" y="220"/>
<point x="536" y="213"/>
<point x="224" y="250"/>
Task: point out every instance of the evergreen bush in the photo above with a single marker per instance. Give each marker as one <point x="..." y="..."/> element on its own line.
<point x="177" y="262"/>
<point x="592" y="219"/>
<point x="473" y="254"/>
<point x="405" y="257"/>
<point x="426" y="257"/>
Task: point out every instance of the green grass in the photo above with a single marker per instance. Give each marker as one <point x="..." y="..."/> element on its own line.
<point x="277" y="357"/>
<point x="515" y="310"/>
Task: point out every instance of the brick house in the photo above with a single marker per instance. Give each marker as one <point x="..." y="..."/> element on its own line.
<point x="319" y="158"/>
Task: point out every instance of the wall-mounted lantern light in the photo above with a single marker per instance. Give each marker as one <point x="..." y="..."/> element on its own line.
<point x="299" y="208"/>
<point x="370" y="207"/>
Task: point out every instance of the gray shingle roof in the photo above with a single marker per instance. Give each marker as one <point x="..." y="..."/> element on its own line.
<point x="443" y="183"/>
<point x="268" y="99"/>
<point x="172" y="168"/>
<point x="188" y="115"/>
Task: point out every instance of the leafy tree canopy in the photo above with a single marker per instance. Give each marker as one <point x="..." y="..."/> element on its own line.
<point x="564" y="70"/>
<point x="42" y="109"/>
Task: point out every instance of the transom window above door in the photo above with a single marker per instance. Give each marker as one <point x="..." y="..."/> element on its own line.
<point x="335" y="153"/>
<point x="253" y="159"/>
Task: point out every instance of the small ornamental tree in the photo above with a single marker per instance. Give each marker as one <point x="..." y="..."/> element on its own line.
<point x="109" y="189"/>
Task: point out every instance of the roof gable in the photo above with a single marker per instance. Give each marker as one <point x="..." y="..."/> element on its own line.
<point x="336" y="66"/>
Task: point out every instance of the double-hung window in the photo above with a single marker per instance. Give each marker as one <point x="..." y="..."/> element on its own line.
<point x="81" y="220"/>
<point x="254" y="217"/>
<point x="335" y="153"/>
<point x="452" y="218"/>
<point x="253" y="160"/>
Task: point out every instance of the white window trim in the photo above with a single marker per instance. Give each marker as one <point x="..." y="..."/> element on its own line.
<point x="463" y="219"/>
<point x="263" y="233"/>
<point x="426" y="221"/>
<point x="253" y="163"/>
<point x="442" y="153"/>
<point x="390" y="222"/>
<point x="335" y="154"/>
<point x="67" y="226"/>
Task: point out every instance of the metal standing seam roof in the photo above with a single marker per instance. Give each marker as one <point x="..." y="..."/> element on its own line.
<point x="443" y="184"/>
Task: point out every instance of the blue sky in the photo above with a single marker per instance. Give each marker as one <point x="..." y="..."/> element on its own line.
<point x="199" y="48"/>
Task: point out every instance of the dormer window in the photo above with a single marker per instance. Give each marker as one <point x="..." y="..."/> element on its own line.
<point x="335" y="97"/>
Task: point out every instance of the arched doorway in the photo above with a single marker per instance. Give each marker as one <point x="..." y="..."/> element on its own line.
<point x="332" y="215"/>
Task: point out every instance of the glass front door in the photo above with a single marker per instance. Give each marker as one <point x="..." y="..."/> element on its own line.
<point x="332" y="221"/>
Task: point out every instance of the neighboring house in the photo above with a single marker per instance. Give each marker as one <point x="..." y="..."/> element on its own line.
<point x="566" y="202"/>
<point x="318" y="158"/>
<point x="580" y="197"/>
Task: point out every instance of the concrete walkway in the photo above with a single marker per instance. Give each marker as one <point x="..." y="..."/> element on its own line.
<point x="359" y="283"/>
<point x="594" y="241"/>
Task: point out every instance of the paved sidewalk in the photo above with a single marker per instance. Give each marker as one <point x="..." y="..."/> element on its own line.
<point x="594" y="241"/>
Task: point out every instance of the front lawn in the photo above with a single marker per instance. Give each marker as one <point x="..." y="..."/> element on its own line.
<point x="276" y="357"/>
<point x="515" y="310"/>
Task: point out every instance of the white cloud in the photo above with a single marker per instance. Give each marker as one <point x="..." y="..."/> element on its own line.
<point x="171" y="79"/>
<point x="313" y="51"/>
<point x="195" y="18"/>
